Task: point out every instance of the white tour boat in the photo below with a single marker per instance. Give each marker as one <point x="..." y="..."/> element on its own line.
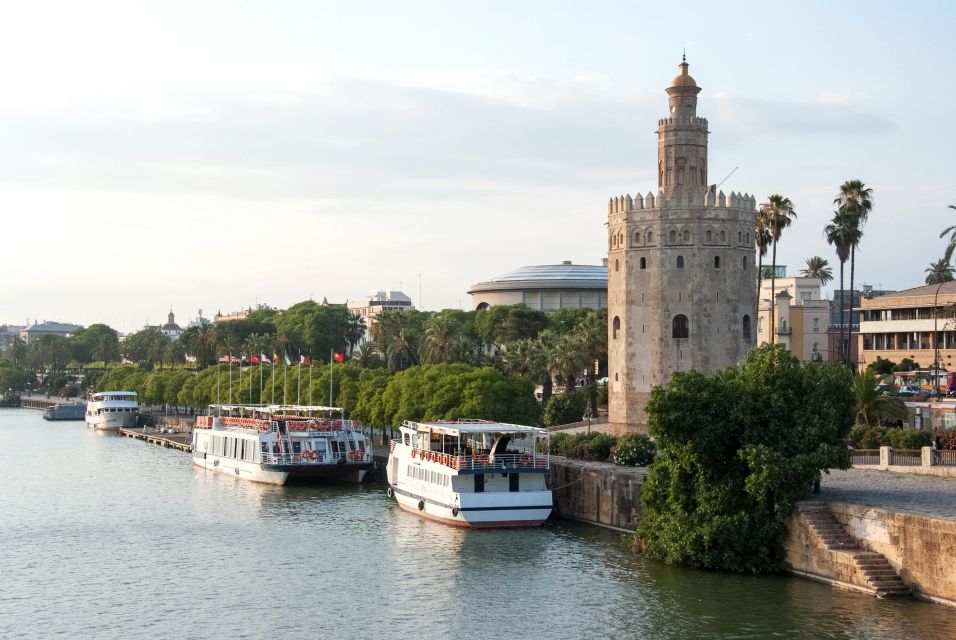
<point x="471" y="473"/>
<point x="277" y="444"/>
<point x="112" y="410"/>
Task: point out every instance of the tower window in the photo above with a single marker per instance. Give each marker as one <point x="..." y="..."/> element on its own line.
<point x="679" y="326"/>
<point x="673" y="236"/>
<point x="650" y="236"/>
<point x="686" y="235"/>
<point x="617" y="265"/>
<point x="745" y="262"/>
<point x="740" y="237"/>
<point x="746" y="327"/>
<point x="716" y="262"/>
<point x="615" y="327"/>
<point x="680" y="262"/>
<point x="747" y="238"/>
<point x="723" y="236"/>
<point x="709" y="236"/>
<point x="637" y="237"/>
<point x="643" y="263"/>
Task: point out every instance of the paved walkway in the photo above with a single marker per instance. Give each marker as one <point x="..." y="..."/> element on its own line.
<point x="923" y="495"/>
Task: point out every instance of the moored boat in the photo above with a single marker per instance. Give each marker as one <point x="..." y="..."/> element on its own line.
<point x="65" y="411"/>
<point x="279" y="444"/>
<point x="471" y="473"/>
<point x="112" y="410"/>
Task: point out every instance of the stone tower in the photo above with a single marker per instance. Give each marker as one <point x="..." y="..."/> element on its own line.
<point x="681" y="272"/>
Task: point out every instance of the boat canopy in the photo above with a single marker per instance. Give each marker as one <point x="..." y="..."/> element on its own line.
<point x="472" y="427"/>
<point x="274" y="408"/>
<point x="116" y="394"/>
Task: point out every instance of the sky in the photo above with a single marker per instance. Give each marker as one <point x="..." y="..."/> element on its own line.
<point x="218" y="155"/>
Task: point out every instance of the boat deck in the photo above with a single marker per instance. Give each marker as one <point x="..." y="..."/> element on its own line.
<point x="181" y="441"/>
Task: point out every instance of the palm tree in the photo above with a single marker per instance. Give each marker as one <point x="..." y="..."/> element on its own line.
<point x="764" y="240"/>
<point x="591" y="334"/>
<point x="354" y="330"/>
<point x="203" y="342"/>
<point x="441" y="334"/>
<point x="939" y="271"/>
<point x="569" y="360"/>
<point x="819" y="268"/>
<point x="857" y="199"/>
<point x="17" y="350"/>
<point x="842" y="232"/>
<point x="366" y="357"/>
<point x="952" y="236"/>
<point x="870" y="404"/>
<point x="779" y="214"/>
<point x="401" y="350"/>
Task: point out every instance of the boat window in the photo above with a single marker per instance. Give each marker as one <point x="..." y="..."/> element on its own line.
<point x="408" y="439"/>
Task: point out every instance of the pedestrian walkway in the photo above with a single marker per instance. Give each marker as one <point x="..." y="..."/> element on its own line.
<point x="906" y="493"/>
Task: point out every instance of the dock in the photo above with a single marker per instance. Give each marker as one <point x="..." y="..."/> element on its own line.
<point x="181" y="441"/>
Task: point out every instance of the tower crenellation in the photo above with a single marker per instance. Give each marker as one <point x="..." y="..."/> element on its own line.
<point x="680" y="261"/>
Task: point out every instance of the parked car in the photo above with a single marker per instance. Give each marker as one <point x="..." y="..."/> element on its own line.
<point x="909" y="391"/>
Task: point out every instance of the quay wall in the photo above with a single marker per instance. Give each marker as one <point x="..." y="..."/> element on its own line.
<point x="599" y="493"/>
<point x="921" y="549"/>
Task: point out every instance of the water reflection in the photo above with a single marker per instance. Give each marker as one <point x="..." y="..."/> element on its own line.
<point x="110" y="537"/>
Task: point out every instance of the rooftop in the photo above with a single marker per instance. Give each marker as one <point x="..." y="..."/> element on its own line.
<point x="945" y="288"/>
<point x="566" y="271"/>
<point x="473" y="427"/>
<point x="54" y="326"/>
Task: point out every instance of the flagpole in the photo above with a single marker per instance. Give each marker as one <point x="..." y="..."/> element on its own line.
<point x="261" y="365"/>
<point x="285" y="370"/>
<point x="229" y="398"/>
<point x="218" y="401"/>
<point x="250" y="382"/>
<point x="310" y="381"/>
<point x="240" y="374"/>
<point x="272" y="373"/>
<point x="331" y="352"/>
<point x="298" y="380"/>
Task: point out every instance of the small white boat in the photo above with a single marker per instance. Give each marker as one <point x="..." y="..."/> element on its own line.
<point x="471" y="473"/>
<point x="66" y="411"/>
<point x="112" y="410"/>
<point x="278" y="444"/>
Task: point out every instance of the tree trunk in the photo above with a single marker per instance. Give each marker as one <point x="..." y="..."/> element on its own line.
<point x="546" y="386"/>
<point x="759" y="274"/>
<point x="773" y="291"/>
<point x="849" y="325"/>
<point x="840" y="339"/>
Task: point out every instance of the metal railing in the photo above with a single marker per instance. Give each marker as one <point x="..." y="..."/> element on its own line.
<point x="907" y="457"/>
<point x="499" y="461"/>
<point x="945" y="457"/>
<point x="865" y="456"/>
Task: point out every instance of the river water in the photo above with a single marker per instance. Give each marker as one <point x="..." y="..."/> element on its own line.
<point x="107" y="537"/>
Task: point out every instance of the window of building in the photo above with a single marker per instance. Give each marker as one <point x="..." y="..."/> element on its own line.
<point x="740" y="237"/>
<point x="745" y="262"/>
<point x="650" y="236"/>
<point x="617" y="265"/>
<point x="816" y="325"/>
<point x="637" y="237"/>
<point x="680" y="262"/>
<point x="679" y="327"/>
<point x="615" y="327"/>
<point x="686" y="235"/>
<point x="673" y="236"/>
<point x="709" y="235"/>
<point x="747" y="238"/>
<point x="745" y="327"/>
<point x="716" y="262"/>
<point x="643" y="263"/>
<point x="723" y="236"/>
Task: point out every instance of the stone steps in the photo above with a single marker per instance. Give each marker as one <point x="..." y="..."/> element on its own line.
<point x="876" y="570"/>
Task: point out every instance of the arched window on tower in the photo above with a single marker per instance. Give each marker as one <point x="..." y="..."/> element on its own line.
<point x="716" y="262"/>
<point x="710" y="236"/>
<point x="637" y="237"/>
<point x="679" y="326"/>
<point x="615" y="327"/>
<point x="740" y="237"/>
<point x="672" y="236"/>
<point x="745" y="262"/>
<point x="747" y="238"/>
<point x="650" y="237"/>
<point x="745" y="327"/>
<point x="617" y="265"/>
<point x="643" y="263"/>
<point x="660" y="173"/>
<point x="680" y="262"/>
<point x="723" y="236"/>
<point x="686" y="235"/>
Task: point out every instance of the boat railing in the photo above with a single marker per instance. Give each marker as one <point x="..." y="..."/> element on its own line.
<point x="315" y="457"/>
<point x="498" y="461"/>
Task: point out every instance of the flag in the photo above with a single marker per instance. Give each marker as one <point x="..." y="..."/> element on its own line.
<point x="285" y="355"/>
<point x="340" y="357"/>
<point x="304" y="360"/>
<point x="264" y="358"/>
<point x="254" y="359"/>
<point x="223" y="358"/>
<point x="275" y="357"/>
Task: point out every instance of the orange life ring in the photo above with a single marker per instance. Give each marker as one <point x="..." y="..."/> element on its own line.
<point x="413" y="453"/>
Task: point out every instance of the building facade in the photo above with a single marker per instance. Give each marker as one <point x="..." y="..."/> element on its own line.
<point x="909" y="324"/>
<point x="375" y="304"/>
<point x="802" y="317"/>
<point x="34" y="331"/>
<point x="681" y="269"/>
<point x="548" y="287"/>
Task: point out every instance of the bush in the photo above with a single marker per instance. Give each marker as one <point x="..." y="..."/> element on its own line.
<point x="560" y="444"/>
<point x="634" y="450"/>
<point x="948" y="441"/>
<point x="583" y="446"/>
<point x="909" y="438"/>
<point x="856" y="436"/>
<point x="565" y="408"/>
<point x="874" y="438"/>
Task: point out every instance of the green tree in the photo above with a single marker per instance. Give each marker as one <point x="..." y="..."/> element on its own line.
<point x="591" y="334"/>
<point x="49" y="352"/>
<point x="763" y="240"/>
<point x="870" y="404"/>
<point x="502" y="324"/>
<point x="778" y="213"/>
<point x="843" y="233"/>
<point x="202" y="342"/>
<point x="366" y="357"/>
<point x="441" y="336"/>
<point x="819" y="268"/>
<point x="95" y="342"/>
<point x="736" y="450"/>
<point x="856" y="199"/>
<point x="17" y="351"/>
<point x="939" y="271"/>
<point x="13" y="376"/>
<point x="882" y="367"/>
<point x="147" y="345"/>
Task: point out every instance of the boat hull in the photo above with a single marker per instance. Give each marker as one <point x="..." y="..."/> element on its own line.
<point x="282" y="474"/>
<point x="111" y="421"/>
<point x="486" y="511"/>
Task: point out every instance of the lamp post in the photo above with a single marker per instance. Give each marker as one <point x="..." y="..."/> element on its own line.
<point x="936" y="340"/>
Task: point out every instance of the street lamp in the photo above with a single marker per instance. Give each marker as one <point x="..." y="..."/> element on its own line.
<point x="936" y="339"/>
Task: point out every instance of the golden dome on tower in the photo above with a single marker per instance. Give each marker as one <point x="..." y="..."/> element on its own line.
<point x="684" y="79"/>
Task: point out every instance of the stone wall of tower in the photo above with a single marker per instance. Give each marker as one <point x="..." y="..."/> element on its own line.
<point x="681" y="272"/>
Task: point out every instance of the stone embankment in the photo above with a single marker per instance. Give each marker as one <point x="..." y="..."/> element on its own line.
<point x="604" y="494"/>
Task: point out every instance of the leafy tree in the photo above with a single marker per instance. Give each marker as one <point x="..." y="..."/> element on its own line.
<point x="355" y="330"/>
<point x="778" y="213"/>
<point x="939" y="271"/>
<point x="907" y="364"/>
<point x="843" y="233"/>
<point x="566" y="321"/>
<point x="13" y="376"/>
<point x="565" y="408"/>
<point x="856" y="199"/>
<point x="501" y="324"/>
<point x="882" y="367"/>
<point x="736" y="451"/>
<point x="95" y="342"/>
<point x="49" y="352"/>
<point x="870" y="404"/>
<point x="441" y="335"/>
<point x="819" y="268"/>
<point x="366" y="357"/>
<point x="17" y="351"/>
<point x="202" y="342"/>
<point x="591" y="334"/>
<point x="147" y="345"/>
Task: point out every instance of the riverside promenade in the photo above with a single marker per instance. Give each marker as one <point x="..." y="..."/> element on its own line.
<point x="928" y="496"/>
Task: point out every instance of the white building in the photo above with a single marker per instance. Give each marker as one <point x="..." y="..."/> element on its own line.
<point x="377" y="303"/>
<point x="34" y="331"/>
